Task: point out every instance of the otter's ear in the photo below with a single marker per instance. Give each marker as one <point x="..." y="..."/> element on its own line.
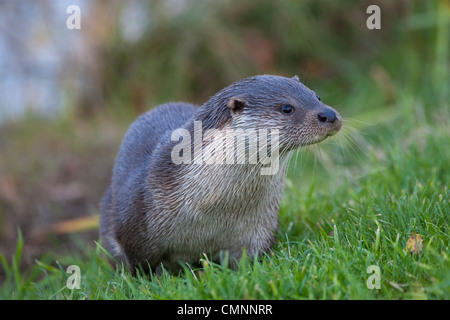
<point x="236" y="105"/>
<point x="296" y="78"/>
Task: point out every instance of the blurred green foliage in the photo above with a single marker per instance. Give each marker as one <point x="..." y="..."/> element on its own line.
<point x="192" y="53"/>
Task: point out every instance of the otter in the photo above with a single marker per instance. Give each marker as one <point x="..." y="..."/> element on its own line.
<point x="158" y="211"/>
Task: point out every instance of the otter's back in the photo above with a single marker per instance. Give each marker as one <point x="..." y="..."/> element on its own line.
<point x="122" y="207"/>
<point x="141" y="139"/>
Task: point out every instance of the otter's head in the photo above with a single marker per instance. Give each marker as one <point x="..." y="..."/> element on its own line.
<point x="266" y="102"/>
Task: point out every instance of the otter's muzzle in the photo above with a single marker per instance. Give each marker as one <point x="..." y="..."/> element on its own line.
<point x="331" y="119"/>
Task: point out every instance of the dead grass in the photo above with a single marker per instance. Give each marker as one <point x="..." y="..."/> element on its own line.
<point x="51" y="172"/>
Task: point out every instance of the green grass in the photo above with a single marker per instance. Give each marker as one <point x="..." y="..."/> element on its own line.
<point x="349" y="205"/>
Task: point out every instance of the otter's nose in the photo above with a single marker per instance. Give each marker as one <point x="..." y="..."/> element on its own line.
<point x="327" y="116"/>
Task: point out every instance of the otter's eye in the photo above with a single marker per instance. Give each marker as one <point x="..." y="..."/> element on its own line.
<point x="318" y="98"/>
<point x="287" y="109"/>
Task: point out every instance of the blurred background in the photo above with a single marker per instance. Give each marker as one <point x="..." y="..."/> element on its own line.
<point x="68" y="96"/>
